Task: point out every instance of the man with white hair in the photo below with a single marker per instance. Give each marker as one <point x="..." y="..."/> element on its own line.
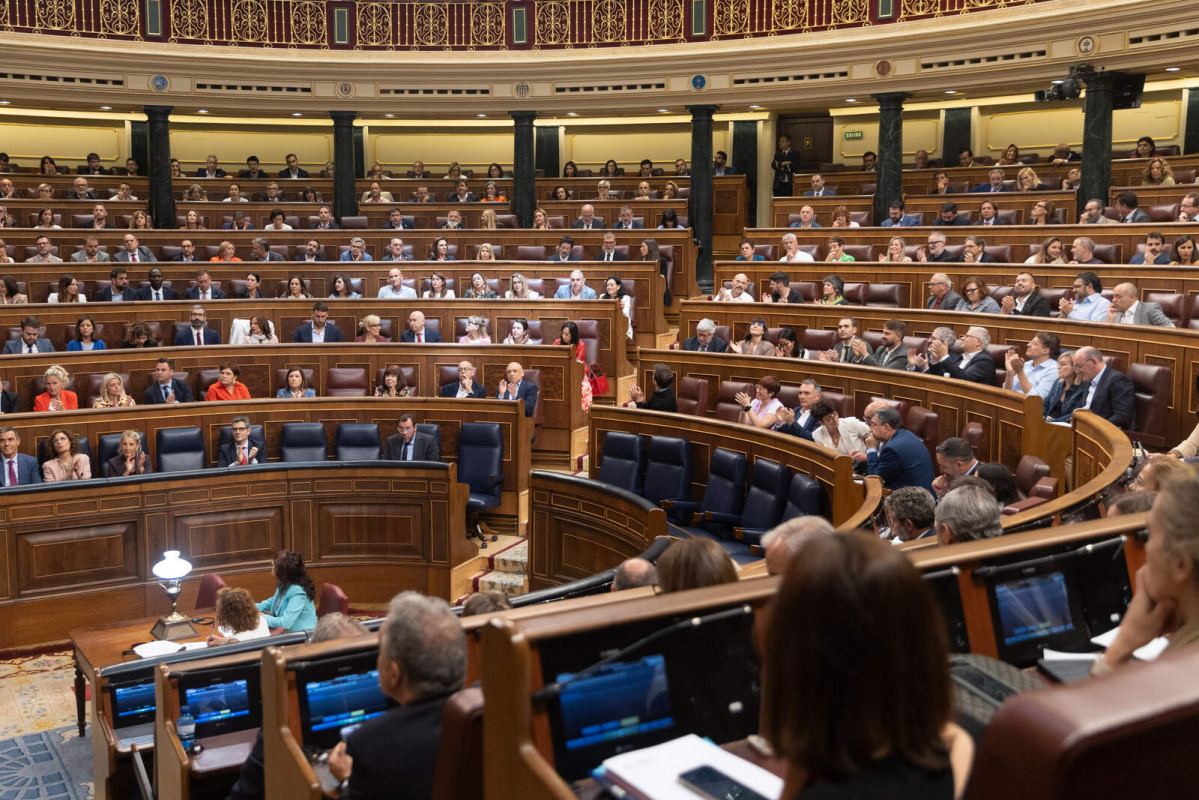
<point x="782" y="542"/>
<point x="577" y="289"/>
<point x="975" y="365"/>
<point x="705" y="339"/>
<point x="791" y="251"/>
<point x="966" y="514"/>
<point x="941" y="296"/>
<point x="737" y="293"/>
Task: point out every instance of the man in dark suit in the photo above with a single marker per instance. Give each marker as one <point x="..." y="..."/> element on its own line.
<point x="893" y="354"/>
<point x="515" y="387"/>
<point x="608" y="251"/>
<point x="260" y="250"/>
<point x="941" y="296"/>
<point x="1110" y="394"/>
<point x="988" y="214"/>
<point x="319" y="330"/>
<point x="156" y="290"/>
<point x="625" y="221"/>
<point x="466" y="385"/>
<point x="394" y="755"/>
<point x="409" y="444"/>
<point x="894" y="454"/>
<point x="10" y="402"/>
<point x="243" y="451"/>
<point x="187" y="252"/>
<point x="166" y="387"/>
<point x="975" y="365"/>
<point x="720" y="165"/>
<point x="395" y="221"/>
<point x="587" y="219"/>
<point x="949" y="215"/>
<point x="935" y="251"/>
<point x="93" y="166"/>
<point x="16" y="468"/>
<point x="30" y="340"/>
<point x="198" y="335"/>
<point x="134" y="252"/>
<point x="1154" y="252"/>
<point x="785" y="164"/>
<point x="818" y="188"/>
<point x="1025" y="299"/>
<point x="118" y="289"/>
<point x="565" y="251"/>
<point x="918" y="362"/>
<point x="994" y="183"/>
<point x="850" y="348"/>
<point x="705" y="339"/>
<point x="293" y="168"/>
<point x="252" y="171"/>
<point x="240" y="222"/>
<point x="211" y="169"/>
<point x="663" y="398"/>
<point x="325" y="221"/>
<point x="1126" y="206"/>
<point x="204" y="290"/>
<point x="974" y="251"/>
<point x="801" y="422"/>
<point x="417" y="333"/>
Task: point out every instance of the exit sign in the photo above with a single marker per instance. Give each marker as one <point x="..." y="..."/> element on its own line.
<point x="853" y="134"/>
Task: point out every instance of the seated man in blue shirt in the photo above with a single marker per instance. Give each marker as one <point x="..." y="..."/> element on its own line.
<point x="1038" y="373"/>
<point x="577" y="289"/>
<point x="1154" y="251"/>
<point x="1088" y="303"/>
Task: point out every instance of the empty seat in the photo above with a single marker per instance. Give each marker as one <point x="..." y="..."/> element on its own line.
<point x="180" y="449"/>
<point x="667" y="469"/>
<point x="923" y="423"/>
<point x="332" y="599"/>
<point x="1030" y="470"/>
<point x="888" y="295"/>
<point x="692" y="396"/>
<point x="209" y="586"/>
<point x="459" y="771"/>
<point x="302" y="441"/>
<point x="358" y="441"/>
<point x="431" y="429"/>
<point x="623" y="463"/>
<point x="724" y="495"/>
<point x="481" y="465"/>
<point x="346" y="382"/>
<point x="764" y="501"/>
<point x="1154" y="387"/>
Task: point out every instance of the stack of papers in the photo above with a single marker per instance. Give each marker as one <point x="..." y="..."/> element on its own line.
<point x="653" y="772"/>
<point x="1146" y="653"/>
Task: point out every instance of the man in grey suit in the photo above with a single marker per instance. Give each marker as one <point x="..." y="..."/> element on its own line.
<point x="941" y="296"/>
<point x="260" y="250"/>
<point x="91" y="252"/>
<point x="1126" y="206"/>
<point x="409" y="444"/>
<point x="134" y="252"/>
<point x="894" y="353"/>
<point x="1126" y="309"/>
<point x="28" y="343"/>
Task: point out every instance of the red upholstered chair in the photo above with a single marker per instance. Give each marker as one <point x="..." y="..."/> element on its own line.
<point x="1010" y="216"/>
<point x="206" y="378"/>
<point x="860" y="217"/>
<point x="346" y="382"/>
<point x="1164" y="213"/>
<point x="723" y="332"/>
<point x="728" y="409"/>
<point x="998" y="353"/>
<point x="589" y="336"/>
<point x="209" y="586"/>
<point x="888" y="295"/>
<point x="842" y="402"/>
<point x="923" y="423"/>
<point x="1002" y="252"/>
<point x="855" y="293"/>
<point x="332" y="599"/>
<point x="1174" y="306"/>
<point x="765" y="250"/>
<point x="692" y="396"/>
<point x="458" y="774"/>
<point x="1054" y="296"/>
<point x="530" y="252"/>
<point x="1096" y="738"/>
<point x="807" y="289"/>
<point x="973" y="434"/>
<point x="1108" y="253"/>
<point x="1153" y="384"/>
<point x="1030" y="470"/>
<point x="861" y="252"/>
<point x="816" y="339"/>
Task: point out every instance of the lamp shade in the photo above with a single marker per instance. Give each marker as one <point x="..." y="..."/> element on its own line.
<point x="172" y="567"/>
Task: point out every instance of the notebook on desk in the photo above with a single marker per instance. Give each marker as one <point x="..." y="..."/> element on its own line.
<point x="133" y="706"/>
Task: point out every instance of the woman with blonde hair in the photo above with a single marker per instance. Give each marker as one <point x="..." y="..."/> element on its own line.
<point x="479" y="290"/>
<point x="371" y="327"/>
<point x="56" y="397"/>
<point x="895" y="253"/>
<point x="1010" y="157"/>
<point x="487" y="220"/>
<point x="1157" y="173"/>
<point x="130" y="459"/>
<point x="45" y="191"/>
<point x="237" y="618"/>
<point x="518" y="289"/>
<point x="671" y="192"/>
<point x="540" y="219"/>
<point x="486" y="253"/>
<point x="1027" y="181"/>
<point x="226" y="251"/>
<point x="476" y="331"/>
<point x="1050" y="253"/>
<point x="196" y="194"/>
<point x="113" y="393"/>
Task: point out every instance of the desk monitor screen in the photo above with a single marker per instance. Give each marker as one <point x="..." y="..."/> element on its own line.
<point x="1036" y="606"/>
<point x="224" y="700"/>
<point x="338" y="694"/>
<point x="701" y="680"/>
<point x="944" y="585"/>
<point x="132" y="703"/>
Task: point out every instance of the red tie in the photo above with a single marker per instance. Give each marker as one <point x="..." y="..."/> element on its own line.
<point x="199" y="339"/>
<point x="133" y="256"/>
<point x="420" y="337"/>
<point x="12" y="472"/>
<point x="242" y="459"/>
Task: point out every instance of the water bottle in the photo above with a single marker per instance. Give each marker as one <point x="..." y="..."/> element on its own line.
<point x="186" y="727"/>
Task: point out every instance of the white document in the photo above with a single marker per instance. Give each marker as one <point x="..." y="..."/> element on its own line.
<point x="1146" y="653"/>
<point x="653" y="772"/>
<point x="1058" y="655"/>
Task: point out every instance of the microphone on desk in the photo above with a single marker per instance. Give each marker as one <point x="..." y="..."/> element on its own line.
<point x="554" y="689"/>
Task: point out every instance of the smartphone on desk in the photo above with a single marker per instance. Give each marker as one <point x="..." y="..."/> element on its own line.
<point x="713" y="784"/>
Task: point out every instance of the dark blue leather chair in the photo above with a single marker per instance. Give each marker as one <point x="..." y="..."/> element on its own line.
<point x="108" y="446"/>
<point x="358" y="441"/>
<point x="724" y="496"/>
<point x="302" y="441"/>
<point x="433" y="429"/>
<point x="803" y="498"/>
<point x="624" y="461"/>
<point x="180" y="449"/>
<point x="481" y="464"/>
<point x="667" y="470"/>
<point x="764" y="502"/>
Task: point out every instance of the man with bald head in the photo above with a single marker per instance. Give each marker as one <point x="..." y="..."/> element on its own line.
<point x="417" y="333"/>
<point x="1110" y="394"/>
<point x="7" y="191"/>
<point x="587" y="219"/>
<point x="737" y="293"/>
<point x="941" y="296"/>
<point x="513" y="386"/>
<point x="466" y="385"/>
<point x="1126" y="309"/>
<point x="634" y="573"/>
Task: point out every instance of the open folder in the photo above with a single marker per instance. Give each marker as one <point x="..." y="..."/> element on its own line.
<point x="653" y="772"/>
